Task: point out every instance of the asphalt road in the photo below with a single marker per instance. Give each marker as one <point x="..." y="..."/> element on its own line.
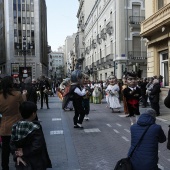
<point x="103" y="141"/>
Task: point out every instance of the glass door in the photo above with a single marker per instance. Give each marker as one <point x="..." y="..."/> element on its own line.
<point x="164" y="70"/>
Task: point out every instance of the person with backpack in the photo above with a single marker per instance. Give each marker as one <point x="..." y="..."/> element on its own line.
<point x="145" y="156"/>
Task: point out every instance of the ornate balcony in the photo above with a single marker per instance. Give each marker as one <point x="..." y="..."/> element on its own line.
<point x="103" y="34"/>
<point x="137" y="56"/>
<point x="94" y="43"/>
<point x="136" y="20"/>
<point x="87" y="50"/>
<point x="99" y="40"/>
<point x="156" y="21"/>
<point x="109" y="28"/>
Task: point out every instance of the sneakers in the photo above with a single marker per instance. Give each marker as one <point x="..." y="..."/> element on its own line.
<point x="86" y="118"/>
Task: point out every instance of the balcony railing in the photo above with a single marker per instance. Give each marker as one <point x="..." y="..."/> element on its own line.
<point x="160" y="18"/>
<point x="103" y="34"/>
<point x="87" y="50"/>
<point x="94" y="43"/>
<point x="109" y="28"/>
<point x="137" y="55"/>
<point x="99" y="40"/>
<point x="136" y="19"/>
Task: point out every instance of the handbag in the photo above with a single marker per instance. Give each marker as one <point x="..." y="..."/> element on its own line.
<point x="168" y="143"/>
<point x="45" y="91"/>
<point x="167" y="100"/>
<point x="125" y="163"/>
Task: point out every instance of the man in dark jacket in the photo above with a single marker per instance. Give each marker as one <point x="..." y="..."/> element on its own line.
<point x="154" y="96"/>
<point x="145" y="156"/>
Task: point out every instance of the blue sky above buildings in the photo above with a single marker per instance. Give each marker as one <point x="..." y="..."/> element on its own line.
<point x="61" y="21"/>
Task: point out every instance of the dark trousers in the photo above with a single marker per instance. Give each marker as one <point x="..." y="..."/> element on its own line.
<point x="46" y="99"/>
<point x="144" y="100"/>
<point x="86" y="106"/>
<point x="156" y="107"/>
<point x="5" y="152"/>
<point x="79" y="112"/>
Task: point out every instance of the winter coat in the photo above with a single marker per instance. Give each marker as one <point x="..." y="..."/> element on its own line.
<point x="34" y="148"/>
<point x="9" y="108"/>
<point x="145" y="156"/>
<point x="154" y="94"/>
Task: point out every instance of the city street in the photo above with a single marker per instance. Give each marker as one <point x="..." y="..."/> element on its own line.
<point x="103" y="141"/>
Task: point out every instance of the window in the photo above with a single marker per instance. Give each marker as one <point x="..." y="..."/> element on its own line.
<point x="160" y="3"/>
<point x="28" y="33"/>
<point x="32" y="7"/>
<point x="23" y="20"/>
<point x="23" y="7"/>
<point x="28" y="20"/>
<point x="15" y="32"/>
<point x="27" y="7"/>
<point x="32" y="20"/>
<point x="164" y="68"/>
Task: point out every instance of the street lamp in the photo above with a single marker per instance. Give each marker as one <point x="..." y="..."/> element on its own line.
<point x="24" y="51"/>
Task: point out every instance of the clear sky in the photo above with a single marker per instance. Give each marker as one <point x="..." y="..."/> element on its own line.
<point x="61" y="21"/>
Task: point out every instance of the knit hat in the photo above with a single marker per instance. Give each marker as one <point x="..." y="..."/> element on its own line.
<point x="151" y="112"/>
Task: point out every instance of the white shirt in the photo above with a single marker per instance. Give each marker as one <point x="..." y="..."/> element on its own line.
<point x="79" y="92"/>
<point x="132" y="88"/>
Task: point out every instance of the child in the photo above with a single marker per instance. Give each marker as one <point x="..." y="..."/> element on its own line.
<point x="27" y="140"/>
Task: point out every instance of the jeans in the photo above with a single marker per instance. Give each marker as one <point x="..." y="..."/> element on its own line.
<point x="5" y="152"/>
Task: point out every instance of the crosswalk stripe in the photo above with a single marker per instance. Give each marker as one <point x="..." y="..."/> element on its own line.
<point x="56" y="132"/>
<point x="109" y="125"/>
<point x="127" y="130"/>
<point x="126" y="139"/>
<point x="56" y="119"/>
<point x="116" y="131"/>
<point x="118" y="124"/>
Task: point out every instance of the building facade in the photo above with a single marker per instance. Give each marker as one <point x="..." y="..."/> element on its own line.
<point x="56" y="66"/>
<point x="156" y="30"/>
<point x="111" y="38"/>
<point x="24" y="38"/>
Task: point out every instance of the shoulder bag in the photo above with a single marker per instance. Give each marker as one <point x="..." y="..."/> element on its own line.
<point x="125" y="163"/>
<point x="167" y="100"/>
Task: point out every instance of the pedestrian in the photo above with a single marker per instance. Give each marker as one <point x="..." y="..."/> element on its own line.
<point x="145" y="156"/>
<point x="44" y="87"/>
<point x="154" y="96"/>
<point x="10" y="100"/>
<point x="113" y="90"/>
<point x="132" y="94"/>
<point x="31" y="90"/>
<point x="86" y="98"/>
<point x="27" y="142"/>
<point x="78" y="93"/>
<point x="123" y="97"/>
<point x="143" y="92"/>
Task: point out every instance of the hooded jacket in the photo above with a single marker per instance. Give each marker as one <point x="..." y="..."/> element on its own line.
<point x="145" y="156"/>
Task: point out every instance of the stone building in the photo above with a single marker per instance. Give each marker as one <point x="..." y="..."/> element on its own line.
<point x="155" y="28"/>
<point x="23" y="38"/>
<point x="109" y="37"/>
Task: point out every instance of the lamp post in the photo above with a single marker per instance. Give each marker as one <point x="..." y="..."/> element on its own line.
<point x="24" y="51"/>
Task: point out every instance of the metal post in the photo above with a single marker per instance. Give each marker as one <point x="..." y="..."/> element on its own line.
<point x="24" y="51"/>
